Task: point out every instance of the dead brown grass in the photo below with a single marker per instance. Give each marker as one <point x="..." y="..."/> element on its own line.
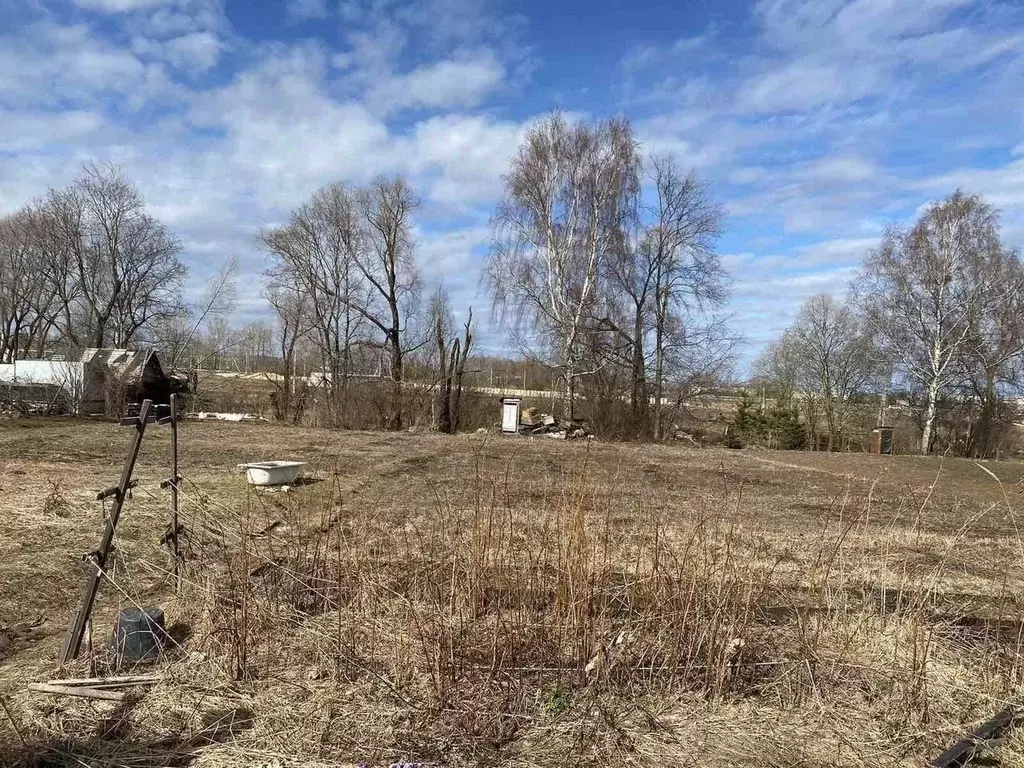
<point x="482" y="601"/>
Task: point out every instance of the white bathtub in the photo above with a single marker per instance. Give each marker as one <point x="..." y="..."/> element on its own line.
<point x="273" y="472"/>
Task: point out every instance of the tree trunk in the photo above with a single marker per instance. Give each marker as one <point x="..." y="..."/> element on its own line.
<point x="638" y="391"/>
<point x="570" y="393"/>
<point x="981" y="439"/>
<point x="659" y="374"/>
<point x="929" y="416"/>
<point x="394" y="420"/>
<point x="347" y="348"/>
<point x="334" y="388"/>
<point x="455" y="388"/>
<point x="832" y="422"/>
<point x="284" y="394"/>
<point x="460" y="353"/>
<point x="442" y="402"/>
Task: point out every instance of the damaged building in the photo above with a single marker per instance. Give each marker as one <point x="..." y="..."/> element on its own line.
<point x="100" y="381"/>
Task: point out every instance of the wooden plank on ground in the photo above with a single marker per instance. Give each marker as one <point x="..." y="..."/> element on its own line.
<point x="108" y="682"/>
<point x="81" y="691"/>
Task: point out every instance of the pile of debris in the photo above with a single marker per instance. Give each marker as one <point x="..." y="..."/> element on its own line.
<point x="533" y="422"/>
<point x="208" y="415"/>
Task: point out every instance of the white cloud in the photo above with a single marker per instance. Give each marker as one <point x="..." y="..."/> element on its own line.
<point x="120" y="6"/>
<point x="285" y="133"/>
<point x="374" y="50"/>
<point x="763" y="305"/>
<point x="451" y="256"/>
<point x="181" y="17"/>
<point x="804" y="85"/>
<point x="705" y="138"/>
<point x="844" y="251"/>
<point x="748" y="175"/>
<point x="61" y="65"/>
<point x="197" y="51"/>
<point x="304" y="10"/>
<point x="457" y="21"/>
<point x="820" y="53"/>
<point x="1003" y="187"/>
<point x="101" y="67"/>
<point x="470" y="152"/>
<point x="862" y="24"/>
<point x="442" y="85"/>
<point x="839" y="170"/>
<point x="194" y="52"/>
<point x="23" y="131"/>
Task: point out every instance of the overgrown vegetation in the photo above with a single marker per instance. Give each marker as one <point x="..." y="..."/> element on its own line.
<point x="556" y="610"/>
<point x="774" y="426"/>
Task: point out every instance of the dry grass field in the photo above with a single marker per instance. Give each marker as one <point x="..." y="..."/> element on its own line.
<point x="480" y="600"/>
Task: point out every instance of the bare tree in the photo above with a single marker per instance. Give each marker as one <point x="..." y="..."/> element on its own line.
<point x="924" y="296"/>
<point x="27" y="294"/>
<point x="567" y="195"/>
<point x="346" y="259"/>
<point x="386" y="263"/>
<point x="686" y="273"/>
<point x="451" y="363"/>
<point x="833" y="360"/>
<point x="289" y="301"/>
<point x="666" y="281"/>
<point x="778" y="370"/>
<point x="991" y="363"/>
<point x="254" y="348"/>
<point x="315" y="255"/>
<point x="116" y="268"/>
<point x="218" y="300"/>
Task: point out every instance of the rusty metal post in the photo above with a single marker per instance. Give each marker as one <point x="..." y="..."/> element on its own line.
<point x="73" y="639"/>
<point x="175" y="479"/>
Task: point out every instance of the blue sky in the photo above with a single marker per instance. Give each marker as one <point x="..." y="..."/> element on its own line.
<point x="816" y="122"/>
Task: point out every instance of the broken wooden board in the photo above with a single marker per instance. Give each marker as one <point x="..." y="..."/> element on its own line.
<point x="82" y="691"/>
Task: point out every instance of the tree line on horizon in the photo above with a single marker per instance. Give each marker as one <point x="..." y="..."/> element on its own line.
<point x="603" y="272"/>
<point x="934" y="320"/>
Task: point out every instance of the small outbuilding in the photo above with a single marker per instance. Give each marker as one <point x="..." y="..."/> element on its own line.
<point x="117" y="377"/>
<point x="881" y="441"/>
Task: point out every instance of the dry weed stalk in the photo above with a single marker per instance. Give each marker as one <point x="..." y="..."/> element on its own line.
<point x="549" y="625"/>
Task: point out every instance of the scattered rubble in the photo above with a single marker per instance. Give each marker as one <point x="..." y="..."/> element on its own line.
<point x="21" y="408"/>
<point x="205" y="415"/>
<point x="533" y="422"/>
<point x="686" y="437"/>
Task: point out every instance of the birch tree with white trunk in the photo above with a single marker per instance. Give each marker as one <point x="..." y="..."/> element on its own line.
<point x="923" y="293"/>
<point x="567" y="193"/>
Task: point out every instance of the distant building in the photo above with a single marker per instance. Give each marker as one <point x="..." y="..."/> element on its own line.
<point x="100" y="381"/>
<point x="50" y="386"/>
